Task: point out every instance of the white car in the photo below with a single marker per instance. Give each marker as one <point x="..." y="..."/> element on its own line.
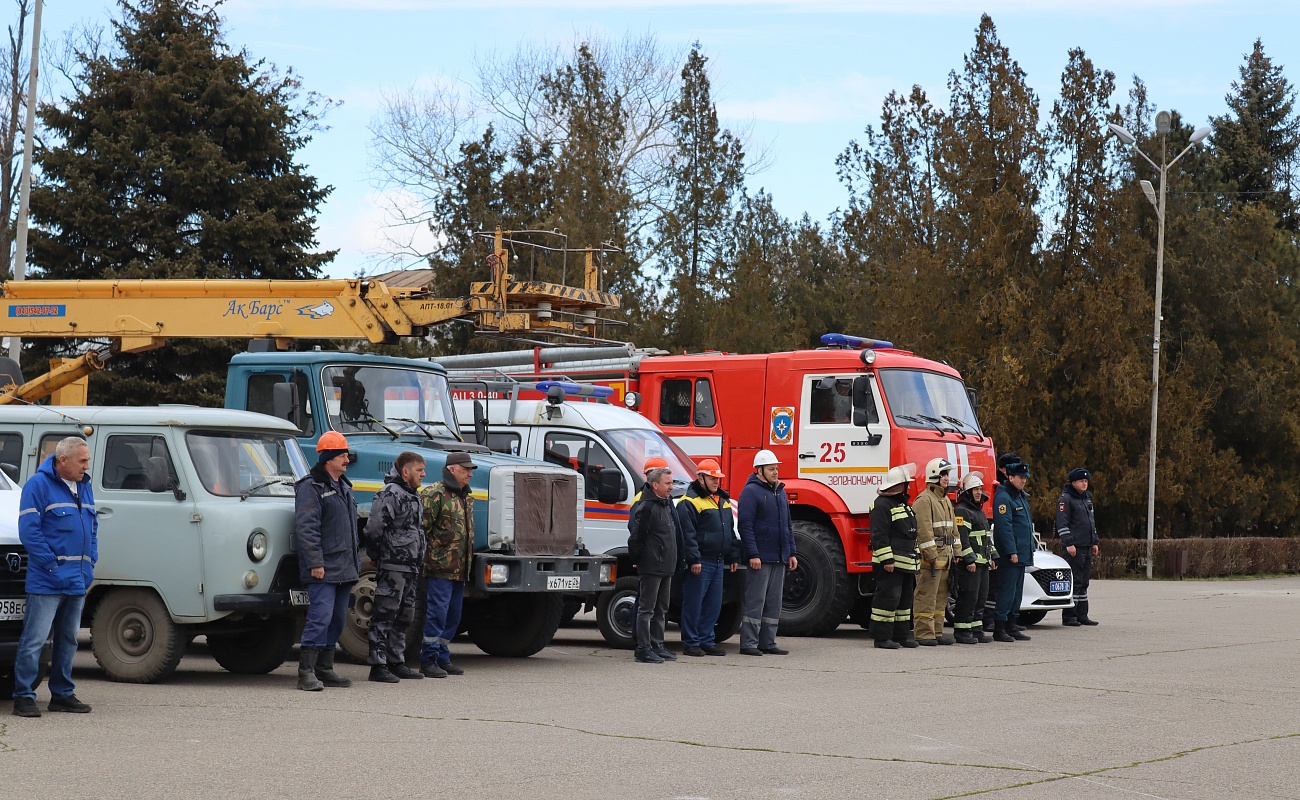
<point x="1049" y="584"/>
<point x="13" y="593"/>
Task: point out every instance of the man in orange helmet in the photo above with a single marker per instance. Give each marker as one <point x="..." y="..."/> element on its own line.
<point x="708" y="542"/>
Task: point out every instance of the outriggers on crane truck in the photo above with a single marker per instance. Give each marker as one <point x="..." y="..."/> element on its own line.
<point x="837" y="417"/>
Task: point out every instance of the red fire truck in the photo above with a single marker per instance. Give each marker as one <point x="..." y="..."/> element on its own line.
<point x="837" y="418"/>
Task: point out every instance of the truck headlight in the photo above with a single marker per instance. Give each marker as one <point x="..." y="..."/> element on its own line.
<point x="607" y="573"/>
<point x="257" y="547"/>
<point x="496" y="573"/>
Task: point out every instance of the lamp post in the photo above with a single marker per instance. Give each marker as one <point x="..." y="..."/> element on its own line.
<point x="1163" y="123"/>
<point x="25" y="183"/>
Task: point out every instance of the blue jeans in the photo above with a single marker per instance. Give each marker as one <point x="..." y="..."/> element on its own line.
<point x="327" y="610"/>
<point x="441" y="619"/>
<point x="1011" y="589"/>
<point x="701" y="603"/>
<point x="56" y="616"/>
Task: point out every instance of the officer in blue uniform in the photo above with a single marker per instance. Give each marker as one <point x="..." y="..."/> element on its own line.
<point x="1013" y="536"/>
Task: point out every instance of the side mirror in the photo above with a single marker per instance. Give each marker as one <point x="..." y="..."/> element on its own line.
<point x="974" y="398"/>
<point x="610" y="489"/>
<point x="285" y="404"/>
<point x="480" y="424"/>
<point x="10" y="471"/>
<point x="157" y="479"/>
<point x="864" y="408"/>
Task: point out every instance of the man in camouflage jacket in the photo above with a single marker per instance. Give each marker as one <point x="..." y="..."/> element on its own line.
<point x="449" y="530"/>
<point x="395" y="542"/>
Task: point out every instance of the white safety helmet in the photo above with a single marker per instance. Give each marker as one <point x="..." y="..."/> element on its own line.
<point x="765" y="458"/>
<point x="973" y="480"/>
<point x="897" y="475"/>
<point x="936" y="468"/>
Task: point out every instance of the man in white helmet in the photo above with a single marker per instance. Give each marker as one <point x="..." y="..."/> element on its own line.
<point x="767" y="538"/>
<point x="977" y="553"/>
<point x="894" y="562"/>
<point x="936" y="532"/>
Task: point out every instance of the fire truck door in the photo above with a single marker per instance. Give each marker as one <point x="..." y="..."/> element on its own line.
<point x="849" y="459"/>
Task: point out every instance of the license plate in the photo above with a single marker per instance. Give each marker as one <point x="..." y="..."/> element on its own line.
<point x="562" y="583"/>
<point x="12" y="608"/>
<point x="1058" y="586"/>
<point x="297" y="597"/>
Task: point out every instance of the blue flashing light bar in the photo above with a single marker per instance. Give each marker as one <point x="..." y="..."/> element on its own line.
<point x="576" y="389"/>
<point x="855" y="342"/>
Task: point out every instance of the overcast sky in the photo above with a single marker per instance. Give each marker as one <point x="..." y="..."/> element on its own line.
<point x="803" y="77"/>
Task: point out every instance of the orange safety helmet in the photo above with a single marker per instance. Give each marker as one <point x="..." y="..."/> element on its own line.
<point x="654" y="462"/>
<point x="331" y="440"/>
<point x="711" y="468"/>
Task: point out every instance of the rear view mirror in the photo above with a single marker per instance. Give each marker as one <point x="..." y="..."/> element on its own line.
<point x="157" y="478"/>
<point x="10" y="471"/>
<point x="285" y="403"/>
<point x="610" y="490"/>
<point x="864" y="408"/>
<point x="974" y="397"/>
<point x="480" y="424"/>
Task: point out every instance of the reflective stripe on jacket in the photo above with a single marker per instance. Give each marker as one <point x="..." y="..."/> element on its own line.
<point x="893" y="532"/>
<point x="936" y="526"/>
<point x="60" y="531"/>
<point x="1075" y="523"/>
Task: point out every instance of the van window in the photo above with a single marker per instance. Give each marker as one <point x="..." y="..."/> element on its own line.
<point x="507" y="443"/>
<point x="580" y="453"/>
<point x="261" y="393"/>
<point x="675" y="403"/>
<point x="124" y="460"/>
<point x="50" y="441"/>
<point x="831" y="402"/>
<point x="11" y="449"/>
<point x="704" y="417"/>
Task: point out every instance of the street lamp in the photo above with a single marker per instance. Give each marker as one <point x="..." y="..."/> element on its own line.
<point x="1163" y="123"/>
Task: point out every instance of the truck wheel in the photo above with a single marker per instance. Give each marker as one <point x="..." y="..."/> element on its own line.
<point x="254" y="652"/>
<point x="354" y="641"/>
<point x="728" y="622"/>
<point x="515" y="625"/>
<point x="133" y="637"/>
<point x="614" y="614"/>
<point x="1031" y="617"/>
<point x="818" y="593"/>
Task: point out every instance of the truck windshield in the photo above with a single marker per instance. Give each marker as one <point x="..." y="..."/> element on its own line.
<point x="363" y="399"/>
<point x="920" y="395"/>
<point x="634" y="445"/>
<point x="232" y="463"/>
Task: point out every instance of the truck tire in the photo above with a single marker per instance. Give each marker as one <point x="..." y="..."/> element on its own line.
<point x="728" y="623"/>
<point x="614" y="614"/>
<point x="1031" y="617"/>
<point x="817" y="594"/>
<point x="133" y="637"/>
<point x="354" y="641"/>
<point x="515" y="625"/>
<point x="254" y="652"/>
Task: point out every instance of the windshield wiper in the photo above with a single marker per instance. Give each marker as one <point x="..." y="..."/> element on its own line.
<point x="937" y="421"/>
<point x="455" y="434"/>
<point x="923" y="421"/>
<point x="423" y="429"/>
<point x="368" y="417"/>
<point x="956" y="421"/>
<point x="244" y="495"/>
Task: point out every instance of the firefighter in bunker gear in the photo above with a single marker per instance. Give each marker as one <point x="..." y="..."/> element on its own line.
<point x="1077" y="528"/>
<point x="894" y="560"/>
<point x="977" y="553"/>
<point x="936" y="533"/>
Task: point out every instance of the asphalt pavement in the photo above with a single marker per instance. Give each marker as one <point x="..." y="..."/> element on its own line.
<point x="1186" y="690"/>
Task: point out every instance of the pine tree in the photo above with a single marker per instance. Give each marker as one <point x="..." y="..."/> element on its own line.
<point x="706" y="174"/>
<point x="174" y="158"/>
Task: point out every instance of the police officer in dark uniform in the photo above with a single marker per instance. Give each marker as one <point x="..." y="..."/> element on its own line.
<point x="1013" y="536"/>
<point x="1077" y="528"/>
<point x="895" y="561"/>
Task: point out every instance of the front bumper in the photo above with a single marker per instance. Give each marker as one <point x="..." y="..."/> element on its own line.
<point x="1048" y="568"/>
<point x="559" y="574"/>
<point x="270" y="602"/>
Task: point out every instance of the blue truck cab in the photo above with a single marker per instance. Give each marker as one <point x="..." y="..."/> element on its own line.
<point x="528" y="515"/>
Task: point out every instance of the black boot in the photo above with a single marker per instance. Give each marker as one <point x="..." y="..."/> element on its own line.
<point x="887" y="644"/>
<point x="380" y="673"/>
<point x="307" y="670"/>
<point x="1015" y="631"/>
<point x="404" y="672"/>
<point x="1000" y="631"/>
<point x="980" y="636"/>
<point x="1070" y="617"/>
<point x="1084" y="619"/>
<point x="325" y="671"/>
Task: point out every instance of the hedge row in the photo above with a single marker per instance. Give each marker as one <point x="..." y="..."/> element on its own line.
<point x="1206" y="558"/>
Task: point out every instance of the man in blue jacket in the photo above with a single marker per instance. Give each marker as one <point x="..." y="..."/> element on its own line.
<point x="768" y="540"/>
<point x="329" y="559"/>
<point x="57" y="524"/>
<point x="708" y="543"/>
<point x="1013" y="537"/>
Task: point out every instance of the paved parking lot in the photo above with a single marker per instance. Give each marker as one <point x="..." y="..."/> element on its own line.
<point x="1186" y="690"/>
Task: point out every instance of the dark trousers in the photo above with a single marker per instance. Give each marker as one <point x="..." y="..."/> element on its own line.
<point x="762" y="610"/>
<point x="701" y="603"/>
<point x="394" y="610"/>
<point x="972" y="589"/>
<point x="891" y="605"/>
<point x="653" y="594"/>
<point x="1011" y="590"/>
<point x="1081" y="566"/>
<point x="327" y="610"/>
<point x="443" y="602"/>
